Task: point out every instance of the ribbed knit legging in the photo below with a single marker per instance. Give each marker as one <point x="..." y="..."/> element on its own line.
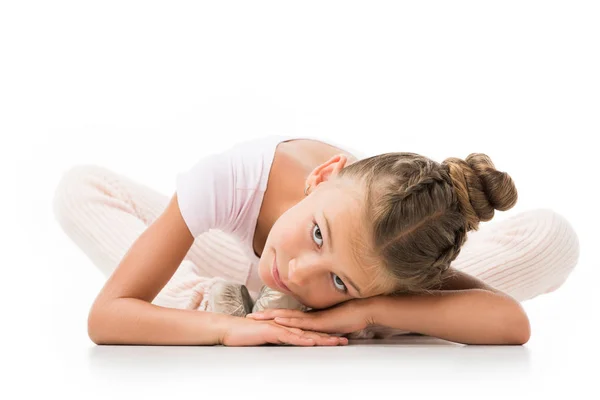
<point x="103" y="213"/>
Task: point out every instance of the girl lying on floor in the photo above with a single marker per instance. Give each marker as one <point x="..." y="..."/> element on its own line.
<point x="300" y="241"/>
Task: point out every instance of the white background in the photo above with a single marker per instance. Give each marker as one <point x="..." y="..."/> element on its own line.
<point x="146" y="88"/>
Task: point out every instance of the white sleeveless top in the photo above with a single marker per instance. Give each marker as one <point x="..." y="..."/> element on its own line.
<point x="225" y="191"/>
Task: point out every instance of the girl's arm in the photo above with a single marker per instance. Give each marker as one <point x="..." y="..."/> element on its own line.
<point x="122" y="312"/>
<point x="454" y="279"/>
<point x="471" y="316"/>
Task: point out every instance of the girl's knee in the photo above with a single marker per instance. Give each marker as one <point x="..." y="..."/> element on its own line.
<point x="71" y="189"/>
<point x="563" y="243"/>
<point x="565" y="238"/>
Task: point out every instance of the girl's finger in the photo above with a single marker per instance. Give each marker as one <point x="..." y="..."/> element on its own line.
<point x="318" y="333"/>
<point x="288" y="337"/>
<point x="318" y="338"/>
<point x="326" y="340"/>
<point x="310" y="324"/>
<point x="301" y="332"/>
<point x="298" y="337"/>
<point x="297" y="331"/>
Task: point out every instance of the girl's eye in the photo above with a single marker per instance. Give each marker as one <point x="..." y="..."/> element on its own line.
<point x="337" y="280"/>
<point x="318" y="235"/>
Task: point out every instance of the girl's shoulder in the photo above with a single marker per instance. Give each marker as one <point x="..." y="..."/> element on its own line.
<point x="311" y="151"/>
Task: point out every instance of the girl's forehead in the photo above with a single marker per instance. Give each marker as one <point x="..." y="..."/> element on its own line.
<point x="346" y="189"/>
<point x="345" y="224"/>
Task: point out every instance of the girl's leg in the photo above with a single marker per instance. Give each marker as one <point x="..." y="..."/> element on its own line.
<point x="104" y="213"/>
<point x="529" y="254"/>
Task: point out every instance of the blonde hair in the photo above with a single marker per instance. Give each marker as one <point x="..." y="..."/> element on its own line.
<point x="416" y="214"/>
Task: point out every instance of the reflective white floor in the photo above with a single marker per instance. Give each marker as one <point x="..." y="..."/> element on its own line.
<point x="49" y="352"/>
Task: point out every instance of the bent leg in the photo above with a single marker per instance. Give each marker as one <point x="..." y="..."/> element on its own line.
<point x="103" y="213"/>
<point x="529" y="254"/>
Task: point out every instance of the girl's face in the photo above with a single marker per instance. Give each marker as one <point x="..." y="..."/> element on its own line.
<point x="310" y="244"/>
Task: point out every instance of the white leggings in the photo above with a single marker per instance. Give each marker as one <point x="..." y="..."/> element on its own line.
<point x="103" y="213"/>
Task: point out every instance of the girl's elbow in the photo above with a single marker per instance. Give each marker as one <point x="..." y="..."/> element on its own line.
<point x="93" y="326"/>
<point x="512" y="324"/>
<point x="97" y="324"/>
<point x="524" y="333"/>
<point x="520" y="331"/>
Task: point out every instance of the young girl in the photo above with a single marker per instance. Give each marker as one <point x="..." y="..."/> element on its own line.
<point x="296" y="240"/>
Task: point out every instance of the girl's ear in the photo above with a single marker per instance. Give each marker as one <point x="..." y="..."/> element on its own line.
<point x="327" y="170"/>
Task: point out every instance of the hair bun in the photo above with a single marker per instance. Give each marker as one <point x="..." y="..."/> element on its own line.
<point x="480" y="188"/>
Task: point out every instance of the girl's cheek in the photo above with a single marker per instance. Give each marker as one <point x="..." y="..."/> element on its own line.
<point x="286" y="234"/>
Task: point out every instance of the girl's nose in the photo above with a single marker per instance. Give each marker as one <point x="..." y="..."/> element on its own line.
<point x="298" y="272"/>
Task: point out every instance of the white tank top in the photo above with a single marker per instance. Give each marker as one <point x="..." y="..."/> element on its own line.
<point x="225" y="191"/>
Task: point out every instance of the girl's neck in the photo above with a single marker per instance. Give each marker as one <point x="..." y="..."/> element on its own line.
<point x="293" y="162"/>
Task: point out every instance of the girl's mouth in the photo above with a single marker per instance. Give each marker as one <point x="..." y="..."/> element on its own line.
<point x="277" y="278"/>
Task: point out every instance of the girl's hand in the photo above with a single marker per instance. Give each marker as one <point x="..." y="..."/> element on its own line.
<point x="347" y="317"/>
<point x="248" y="332"/>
